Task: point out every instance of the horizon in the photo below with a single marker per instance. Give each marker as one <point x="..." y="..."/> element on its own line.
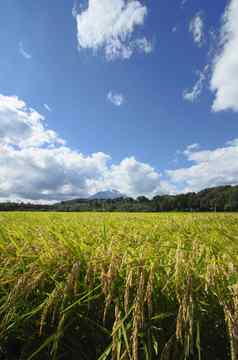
<point x="122" y="196"/>
<point x="143" y="101"/>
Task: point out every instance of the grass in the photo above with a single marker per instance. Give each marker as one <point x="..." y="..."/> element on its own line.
<point x="118" y="286"/>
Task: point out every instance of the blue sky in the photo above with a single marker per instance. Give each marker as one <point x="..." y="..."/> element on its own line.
<point x="106" y="94"/>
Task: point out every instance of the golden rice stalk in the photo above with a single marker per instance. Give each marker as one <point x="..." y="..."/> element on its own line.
<point x="138" y="314"/>
<point x="51" y="305"/>
<point x="149" y="291"/>
<point x="184" y="324"/>
<point x="115" y="355"/>
<point x="107" y="278"/>
<point x="231" y="315"/>
<point x="72" y="279"/>
<point x="129" y="280"/>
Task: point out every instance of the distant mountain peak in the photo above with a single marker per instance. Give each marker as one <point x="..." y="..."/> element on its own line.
<point x="107" y="194"/>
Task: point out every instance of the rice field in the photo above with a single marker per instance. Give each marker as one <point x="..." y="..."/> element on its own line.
<point x="118" y="286"/>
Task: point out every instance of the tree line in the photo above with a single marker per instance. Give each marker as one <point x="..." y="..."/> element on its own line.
<point x="222" y="198"/>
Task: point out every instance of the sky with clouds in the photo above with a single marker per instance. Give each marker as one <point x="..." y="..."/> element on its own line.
<point x="137" y="96"/>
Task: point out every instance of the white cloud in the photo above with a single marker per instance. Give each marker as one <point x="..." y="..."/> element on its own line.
<point x="116" y="99"/>
<point x="192" y="95"/>
<point x="109" y="25"/>
<point x="210" y="168"/>
<point x="22" y="126"/>
<point x="190" y="148"/>
<point x="23" y="52"/>
<point x="143" y="45"/>
<point x="133" y="178"/>
<point x="196" y="27"/>
<point x="47" y="107"/>
<point x="233" y="142"/>
<point x="35" y="164"/>
<point x="47" y="173"/>
<point x="224" y="81"/>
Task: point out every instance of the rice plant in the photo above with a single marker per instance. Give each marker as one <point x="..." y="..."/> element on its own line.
<point x="118" y="286"/>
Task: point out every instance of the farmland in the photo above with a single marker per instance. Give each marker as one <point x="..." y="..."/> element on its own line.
<point x="118" y="286"/>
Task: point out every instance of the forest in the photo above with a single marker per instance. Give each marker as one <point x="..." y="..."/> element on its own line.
<point x="217" y="199"/>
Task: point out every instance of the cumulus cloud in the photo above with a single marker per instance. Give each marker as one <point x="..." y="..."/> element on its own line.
<point x="133" y="177"/>
<point x="109" y="25"/>
<point x="196" y="27"/>
<point x="116" y="99"/>
<point x="22" y="126"/>
<point x="210" y="168"/>
<point x="225" y="68"/>
<point x="195" y="92"/>
<point x="36" y="165"/>
<point x="23" y="52"/>
<point x="47" y="174"/>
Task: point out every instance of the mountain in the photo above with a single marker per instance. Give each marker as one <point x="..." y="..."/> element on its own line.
<point x="221" y="198"/>
<point x="105" y="195"/>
